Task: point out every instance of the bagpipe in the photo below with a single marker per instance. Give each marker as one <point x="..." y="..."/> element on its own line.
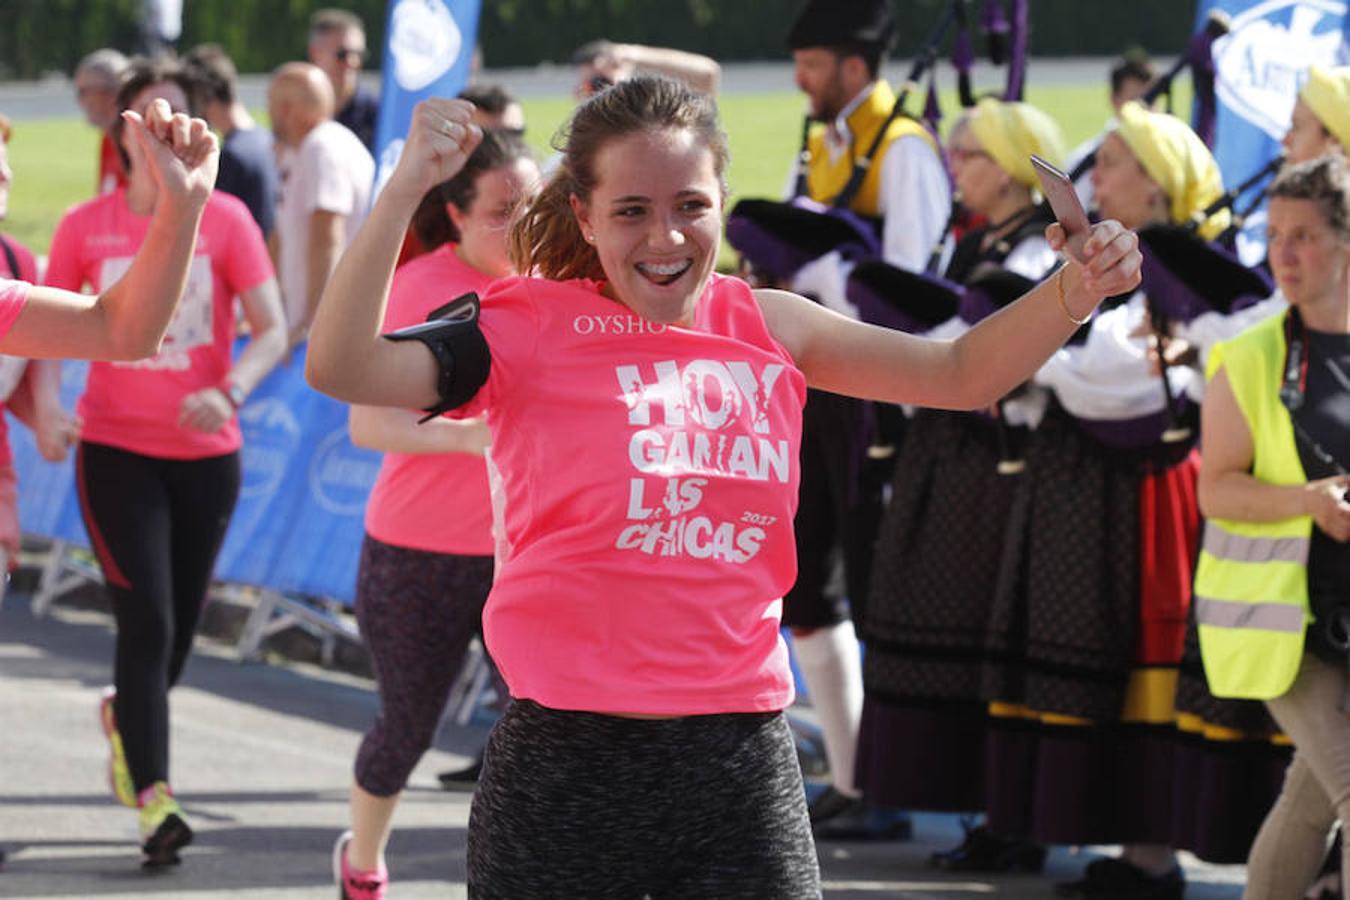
<point x="1228" y="201"/>
<point x="776" y="238"/>
<point x="918" y="302"/>
<point x="1199" y="58"/>
<point x="1184" y="276"/>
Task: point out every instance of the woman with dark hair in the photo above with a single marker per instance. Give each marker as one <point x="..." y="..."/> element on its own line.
<point x="158" y="459"/>
<point x="1089" y="618"/>
<point x="646" y="424"/>
<point x="426" y="565"/>
<point x="1272" y="589"/>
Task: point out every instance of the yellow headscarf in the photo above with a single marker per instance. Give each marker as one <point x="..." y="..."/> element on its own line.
<point x="1174" y="156"/>
<point x="1011" y="132"/>
<point x="1327" y="94"/>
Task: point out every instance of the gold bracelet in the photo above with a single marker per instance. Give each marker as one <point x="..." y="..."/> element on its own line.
<point x="1063" y="304"/>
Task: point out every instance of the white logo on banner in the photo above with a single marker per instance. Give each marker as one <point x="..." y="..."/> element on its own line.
<point x="425" y="42"/>
<point x="1261" y="63"/>
<point x="339" y="478"/>
<point x="271" y="439"/>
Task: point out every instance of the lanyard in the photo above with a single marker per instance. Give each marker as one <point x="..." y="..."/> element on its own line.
<point x="1294" y="388"/>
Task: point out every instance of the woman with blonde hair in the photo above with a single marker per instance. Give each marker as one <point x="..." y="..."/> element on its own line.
<point x="1089" y="617"/>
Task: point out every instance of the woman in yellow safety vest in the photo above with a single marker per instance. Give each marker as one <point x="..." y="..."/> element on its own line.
<point x="1274" y="571"/>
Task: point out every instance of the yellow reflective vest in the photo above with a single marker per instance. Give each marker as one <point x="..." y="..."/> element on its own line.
<point x="1251" y="585"/>
<point x="826" y="177"/>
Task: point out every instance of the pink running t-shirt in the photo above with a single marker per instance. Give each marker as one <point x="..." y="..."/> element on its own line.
<point x="134" y="405"/>
<point x="649" y="483"/>
<point x="435" y="502"/>
<point x="13" y="295"/>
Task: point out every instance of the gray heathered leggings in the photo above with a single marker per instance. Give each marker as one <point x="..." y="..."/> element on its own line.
<point x="575" y="804"/>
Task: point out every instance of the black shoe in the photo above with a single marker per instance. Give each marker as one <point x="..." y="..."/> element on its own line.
<point x="839" y="817"/>
<point x="984" y="851"/>
<point x="462" y="779"/>
<point x="1116" y="879"/>
<point x="828" y="804"/>
<point x="161" y="848"/>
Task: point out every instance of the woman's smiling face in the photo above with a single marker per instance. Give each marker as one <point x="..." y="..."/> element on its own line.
<point x="655" y="220"/>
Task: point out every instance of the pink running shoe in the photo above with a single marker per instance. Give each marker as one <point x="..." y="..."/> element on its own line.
<point x="354" y="885"/>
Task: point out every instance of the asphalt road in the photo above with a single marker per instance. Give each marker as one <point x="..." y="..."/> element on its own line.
<point x="261" y="758"/>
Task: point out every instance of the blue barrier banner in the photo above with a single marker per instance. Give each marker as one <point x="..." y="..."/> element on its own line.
<point x="428" y="52"/>
<point x="1260" y="66"/>
<point x="299" y="522"/>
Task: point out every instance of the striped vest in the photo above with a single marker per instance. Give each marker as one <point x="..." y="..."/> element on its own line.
<point x="1251" y="585"/>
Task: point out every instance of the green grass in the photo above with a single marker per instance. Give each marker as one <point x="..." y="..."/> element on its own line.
<point x="55" y="161"/>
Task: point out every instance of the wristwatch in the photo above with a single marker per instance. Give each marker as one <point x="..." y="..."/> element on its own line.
<point x="233" y="392"/>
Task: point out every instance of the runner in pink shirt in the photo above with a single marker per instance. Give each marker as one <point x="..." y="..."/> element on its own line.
<point x="128" y="320"/>
<point x="28" y="388"/>
<point x="646" y="420"/>
<point x="158" y="461"/>
<point x="426" y="564"/>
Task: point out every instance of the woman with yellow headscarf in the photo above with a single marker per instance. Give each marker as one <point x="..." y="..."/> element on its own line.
<point x="1321" y="120"/>
<point x="1088" y="620"/>
<point x="937" y="557"/>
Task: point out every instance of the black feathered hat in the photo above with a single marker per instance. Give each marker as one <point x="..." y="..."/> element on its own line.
<point x="897" y="298"/>
<point x="1185" y="275"/>
<point x="829" y="23"/>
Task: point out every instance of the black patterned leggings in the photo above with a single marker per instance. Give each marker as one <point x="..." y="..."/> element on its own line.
<point x="576" y="804"/>
<point x="418" y="611"/>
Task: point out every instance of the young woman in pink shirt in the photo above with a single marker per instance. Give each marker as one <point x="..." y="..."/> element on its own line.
<point x="646" y="420"/>
<point x="426" y="564"/>
<point x="158" y="461"/>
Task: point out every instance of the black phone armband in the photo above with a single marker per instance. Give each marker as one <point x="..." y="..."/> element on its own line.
<point x="452" y="335"/>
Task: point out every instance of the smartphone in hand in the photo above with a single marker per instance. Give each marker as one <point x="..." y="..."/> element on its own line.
<point x="1068" y="209"/>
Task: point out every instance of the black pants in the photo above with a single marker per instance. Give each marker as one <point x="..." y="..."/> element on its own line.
<point x="156" y="526"/>
<point x="575" y="804"/>
<point x="418" y="611"/>
<point x="838" y="513"/>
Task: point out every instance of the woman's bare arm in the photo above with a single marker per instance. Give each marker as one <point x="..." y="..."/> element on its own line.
<point x="347" y="358"/>
<point x="392" y="430"/>
<point x="129" y="319"/>
<point x="848" y="357"/>
<point x="1228" y="490"/>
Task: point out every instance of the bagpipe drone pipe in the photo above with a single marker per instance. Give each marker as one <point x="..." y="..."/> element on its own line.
<point x="1199" y="58"/>
<point x="776" y="238"/>
<point x="1183" y="278"/>
<point x="917" y="303"/>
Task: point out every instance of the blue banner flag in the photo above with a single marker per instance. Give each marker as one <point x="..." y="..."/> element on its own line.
<point x="428" y="52"/>
<point x="1260" y="65"/>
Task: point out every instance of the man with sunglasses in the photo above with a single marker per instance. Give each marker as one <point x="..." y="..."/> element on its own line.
<point x="337" y="45"/>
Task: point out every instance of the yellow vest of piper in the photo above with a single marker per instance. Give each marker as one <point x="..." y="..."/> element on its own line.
<point x="1251" y="585"/>
<point x="826" y="177"/>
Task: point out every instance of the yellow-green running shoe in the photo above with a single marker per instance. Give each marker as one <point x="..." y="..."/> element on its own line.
<point x="119" y="774"/>
<point x="163" y="829"/>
